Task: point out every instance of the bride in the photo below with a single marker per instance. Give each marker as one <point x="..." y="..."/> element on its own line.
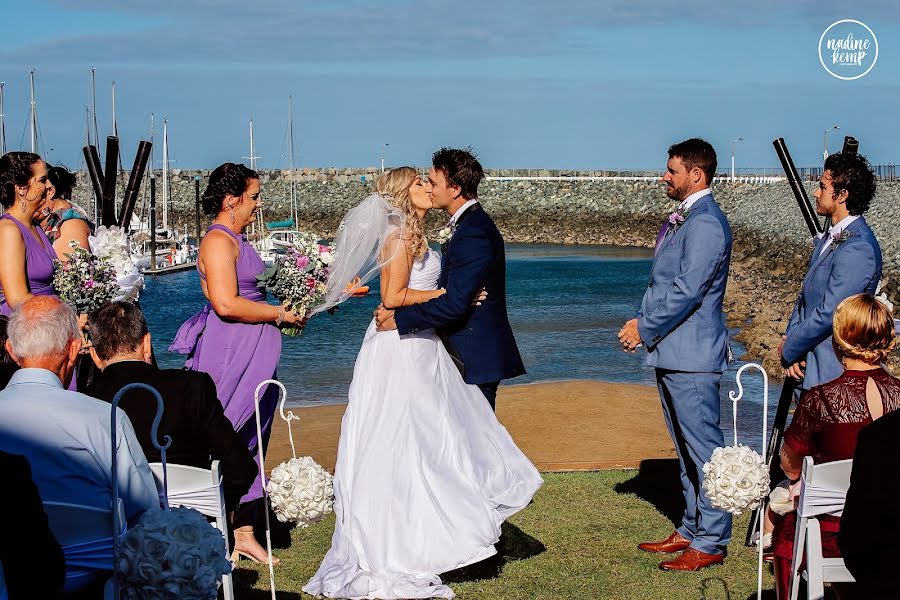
<point x="425" y="473"/>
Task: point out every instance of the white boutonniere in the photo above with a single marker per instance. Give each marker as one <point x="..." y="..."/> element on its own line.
<point x="443" y="235"/>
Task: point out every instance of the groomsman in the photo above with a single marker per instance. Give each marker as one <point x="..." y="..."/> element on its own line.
<point x="845" y="261"/>
<point x="680" y="323"/>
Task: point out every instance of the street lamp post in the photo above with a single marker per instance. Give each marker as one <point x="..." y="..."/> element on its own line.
<point x="383" y="146"/>
<point x="825" y="143"/>
<point x="733" y="142"/>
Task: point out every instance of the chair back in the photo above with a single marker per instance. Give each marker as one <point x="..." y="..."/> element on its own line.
<point x="85" y="534"/>
<point x="823" y="491"/>
<point x="200" y="489"/>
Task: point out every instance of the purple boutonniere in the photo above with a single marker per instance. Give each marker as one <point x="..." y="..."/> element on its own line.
<point x="676" y="219"/>
<point x="840" y="238"/>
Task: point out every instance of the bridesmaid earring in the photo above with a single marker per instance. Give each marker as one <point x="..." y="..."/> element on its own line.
<point x="24" y="205"/>
<point x="232" y="215"/>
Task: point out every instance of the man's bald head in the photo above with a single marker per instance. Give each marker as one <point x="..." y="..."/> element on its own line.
<point x="41" y="329"/>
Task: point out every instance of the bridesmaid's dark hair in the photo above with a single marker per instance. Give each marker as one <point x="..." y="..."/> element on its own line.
<point x="16" y="168"/>
<point x="227" y="179"/>
<point x="63" y="180"/>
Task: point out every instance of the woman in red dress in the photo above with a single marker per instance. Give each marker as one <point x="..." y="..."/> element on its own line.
<point x="829" y="417"/>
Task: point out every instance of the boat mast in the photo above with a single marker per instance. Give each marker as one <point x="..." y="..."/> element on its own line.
<point x="165" y="175"/>
<point x="2" y="121"/>
<point x="33" y="118"/>
<point x="294" y="212"/>
<point x="252" y="158"/>
<point x="96" y="137"/>
<point x="115" y="126"/>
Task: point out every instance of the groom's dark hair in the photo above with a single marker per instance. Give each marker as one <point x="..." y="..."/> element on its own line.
<point x="696" y="153"/>
<point x="853" y="173"/>
<point x="461" y="168"/>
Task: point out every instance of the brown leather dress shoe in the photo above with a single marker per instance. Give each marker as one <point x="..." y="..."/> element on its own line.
<point x="674" y="543"/>
<point x="692" y="560"/>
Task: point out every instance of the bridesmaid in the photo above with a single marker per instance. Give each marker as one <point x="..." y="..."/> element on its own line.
<point x="26" y="255"/>
<point x="235" y="338"/>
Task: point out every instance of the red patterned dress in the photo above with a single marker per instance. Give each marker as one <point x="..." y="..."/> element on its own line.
<point x="825" y="425"/>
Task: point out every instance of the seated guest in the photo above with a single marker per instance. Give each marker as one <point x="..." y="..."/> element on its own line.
<point x="7" y="365"/>
<point x="193" y="415"/>
<point x="870" y="524"/>
<point x="30" y="556"/>
<point x="66" y="435"/>
<point x="831" y="415"/>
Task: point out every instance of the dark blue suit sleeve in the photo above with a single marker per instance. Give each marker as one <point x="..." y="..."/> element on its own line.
<point x="467" y="266"/>
<point x="851" y="270"/>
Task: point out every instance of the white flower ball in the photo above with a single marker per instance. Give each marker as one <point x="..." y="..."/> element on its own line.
<point x="735" y="479"/>
<point x="300" y="491"/>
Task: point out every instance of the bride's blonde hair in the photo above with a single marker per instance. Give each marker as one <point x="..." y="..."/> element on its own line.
<point x="394" y="185"/>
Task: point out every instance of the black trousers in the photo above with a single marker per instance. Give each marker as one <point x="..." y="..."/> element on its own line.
<point x="490" y="392"/>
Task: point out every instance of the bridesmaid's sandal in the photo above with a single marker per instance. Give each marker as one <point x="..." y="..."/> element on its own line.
<point x="238" y="554"/>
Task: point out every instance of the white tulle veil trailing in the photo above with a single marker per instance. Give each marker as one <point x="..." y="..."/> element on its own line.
<point x="360" y="247"/>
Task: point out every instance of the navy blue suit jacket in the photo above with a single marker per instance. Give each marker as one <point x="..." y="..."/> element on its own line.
<point x="479" y="336"/>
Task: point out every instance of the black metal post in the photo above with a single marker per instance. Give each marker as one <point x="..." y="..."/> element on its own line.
<point x="95" y="171"/>
<point x="152" y="223"/>
<point x="134" y="183"/>
<point x="108" y="206"/>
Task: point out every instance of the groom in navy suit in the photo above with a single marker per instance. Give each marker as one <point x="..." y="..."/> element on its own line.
<point x="845" y="261"/>
<point x="680" y="323"/>
<point x="479" y="337"/>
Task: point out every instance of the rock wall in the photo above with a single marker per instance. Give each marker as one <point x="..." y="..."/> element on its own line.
<point x="771" y="247"/>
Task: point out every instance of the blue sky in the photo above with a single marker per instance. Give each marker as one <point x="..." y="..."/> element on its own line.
<point x="581" y="84"/>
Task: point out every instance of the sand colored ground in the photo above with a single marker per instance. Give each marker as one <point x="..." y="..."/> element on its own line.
<point x="561" y="426"/>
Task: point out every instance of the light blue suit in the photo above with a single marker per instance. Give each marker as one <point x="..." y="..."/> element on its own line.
<point x="681" y="324"/>
<point x="843" y="270"/>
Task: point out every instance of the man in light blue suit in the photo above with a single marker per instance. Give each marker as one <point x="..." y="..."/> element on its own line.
<point x="845" y="261"/>
<point x="680" y="322"/>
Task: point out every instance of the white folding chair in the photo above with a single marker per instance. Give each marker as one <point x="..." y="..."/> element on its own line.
<point x="86" y="535"/>
<point x="823" y="491"/>
<point x="200" y="489"/>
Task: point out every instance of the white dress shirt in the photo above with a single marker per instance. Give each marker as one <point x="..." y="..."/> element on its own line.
<point x="688" y="202"/>
<point x="66" y="438"/>
<point x="836" y="230"/>
<point x="461" y="210"/>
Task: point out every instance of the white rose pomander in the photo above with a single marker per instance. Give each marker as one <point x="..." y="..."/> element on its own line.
<point x="301" y="491"/>
<point x="735" y="479"/>
<point x="171" y="554"/>
<point x="110" y="244"/>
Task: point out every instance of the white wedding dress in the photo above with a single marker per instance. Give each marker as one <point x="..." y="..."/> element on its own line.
<point x="425" y="473"/>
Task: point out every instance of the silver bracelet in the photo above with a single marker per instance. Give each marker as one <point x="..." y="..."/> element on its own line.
<point x="280" y="318"/>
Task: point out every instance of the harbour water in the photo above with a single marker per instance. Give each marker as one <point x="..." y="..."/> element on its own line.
<point x="566" y="304"/>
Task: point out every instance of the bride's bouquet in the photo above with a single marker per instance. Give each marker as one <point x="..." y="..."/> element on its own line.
<point x="110" y="244"/>
<point x="298" y="277"/>
<point x="85" y="282"/>
<point x="301" y="491"/>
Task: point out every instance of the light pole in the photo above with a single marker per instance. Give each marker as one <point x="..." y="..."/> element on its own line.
<point x="825" y="143"/>
<point x="733" y="142"/>
<point x="383" y="146"/>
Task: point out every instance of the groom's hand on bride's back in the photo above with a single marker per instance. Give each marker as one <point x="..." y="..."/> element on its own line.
<point x="384" y="318"/>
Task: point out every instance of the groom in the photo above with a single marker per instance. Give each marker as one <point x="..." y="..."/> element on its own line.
<point x="680" y="323"/>
<point x="479" y="338"/>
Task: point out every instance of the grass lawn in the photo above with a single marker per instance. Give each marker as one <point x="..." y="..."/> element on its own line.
<point x="578" y="539"/>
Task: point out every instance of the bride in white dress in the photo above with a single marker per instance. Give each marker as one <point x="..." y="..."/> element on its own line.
<point x="425" y="473"/>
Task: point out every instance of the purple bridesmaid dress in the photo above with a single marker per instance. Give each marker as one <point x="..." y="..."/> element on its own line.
<point x="39" y="257"/>
<point x="238" y="356"/>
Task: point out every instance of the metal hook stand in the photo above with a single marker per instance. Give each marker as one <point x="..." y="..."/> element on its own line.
<point x="262" y="466"/>
<point x="162" y="447"/>
<point x="765" y="421"/>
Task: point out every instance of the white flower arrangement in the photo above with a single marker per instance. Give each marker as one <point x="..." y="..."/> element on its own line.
<point x="735" y="479"/>
<point x="171" y="554"/>
<point x="110" y="244"/>
<point x="298" y="277"/>
<point x="84" y="282"/>
<point x="301" y="491"/>
<point x="443" y="235"/>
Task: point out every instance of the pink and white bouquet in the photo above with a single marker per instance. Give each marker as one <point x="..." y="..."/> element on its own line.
<point x="85" y="282"/>
<point x="110" y="244"/>
<point x="171" y="554"/>
<point x="298" y="277"/>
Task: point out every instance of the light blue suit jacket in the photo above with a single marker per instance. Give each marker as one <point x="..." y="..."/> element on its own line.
<point x="680" y="320"/>
<point x="852" y="267"/>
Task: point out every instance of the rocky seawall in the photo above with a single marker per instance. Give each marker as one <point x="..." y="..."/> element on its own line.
<point x="771" y="242"/>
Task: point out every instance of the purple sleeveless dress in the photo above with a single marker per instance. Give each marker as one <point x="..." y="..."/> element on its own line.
<point x="238" y="356"/>
<point x="38" y="264"/>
